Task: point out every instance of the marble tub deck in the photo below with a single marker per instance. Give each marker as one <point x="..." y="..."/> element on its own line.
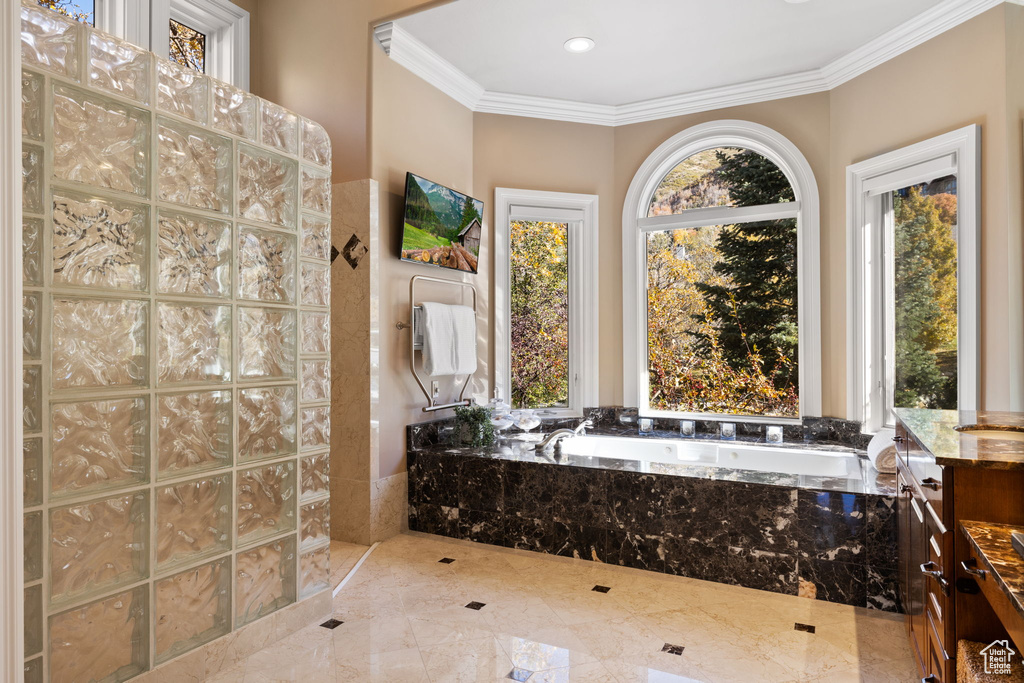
<point x="405" y="618"/>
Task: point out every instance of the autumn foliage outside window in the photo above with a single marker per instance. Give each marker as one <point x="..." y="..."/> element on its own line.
<point x="539" y="314"/>
<point x="722" y="316"/>
<point x="79" y="10"/>
<point x="187" y="46"/>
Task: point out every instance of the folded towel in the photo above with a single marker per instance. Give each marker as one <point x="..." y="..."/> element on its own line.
<point x="882" y="451"/>
<point x="449" y="340"/>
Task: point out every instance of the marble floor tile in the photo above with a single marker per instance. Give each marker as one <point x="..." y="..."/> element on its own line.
<point x="405" y="619"/>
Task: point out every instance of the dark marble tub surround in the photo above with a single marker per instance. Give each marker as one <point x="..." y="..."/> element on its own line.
<point x="835" y="545"/>
<point x="934" y="429"/>
<point x="992" y="543"/>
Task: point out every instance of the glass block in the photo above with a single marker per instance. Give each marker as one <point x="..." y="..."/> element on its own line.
<point x="195" y="255"/>
<point x="265" y="580"/>
<point x="315" y="524"/>
<point x="266" y="501"/>
<point x="98" y="445"/>
<point x="99" y="242"/>
<point x="267" y="187"/>
<point x="31" y="105"/>
<point x="316" y="381"/>
<point x="316" y="285"/>
<point x="316" y="428"/>
<point x="49" y="41"/>
<point x="193" y="520"/>
<point x="181" y="91"/>
<point x="266" y="265"/>
<point x="316" y="332"/>
<point x="118" y="67"/>
<point x="32" y="393"/>
<point x="33" y="620"/>
<point x="316" y="145"/>
<point x="195" y="167"/>
<point x="34" y="671"/>
<point x="316" y="190"/>
<point x="106" y="640"/>
<point x="316" y="237"/>
<point x="193" y="432"/>
<point x="193" y="343"/>
<point x="315" y="476"/>
<point x="314" y="571"/>
<point x="33" y="460"/>
<point x="234" y="111"/>
<point x="33" y="545"/>
<point x="266" y="343"/>
<point x="32" y="178"/>
<point x="88" y="128"/>
<point x="192" y="608"/>
<point x="31" y="322"/>
<point x="280" y="127"/>
<point x="97" y="545"/>
<point x="266" y="423"/>
<point x="98" y="343"/>
<point x="32" y="250"/>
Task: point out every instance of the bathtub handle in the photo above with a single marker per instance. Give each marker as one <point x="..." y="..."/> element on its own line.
<point x="936" y="574"/>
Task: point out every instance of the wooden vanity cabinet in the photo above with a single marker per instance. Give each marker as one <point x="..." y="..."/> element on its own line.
<point x="942" y="601"/>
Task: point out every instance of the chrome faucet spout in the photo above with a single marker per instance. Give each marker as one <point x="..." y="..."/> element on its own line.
<point x="553" y="441"/>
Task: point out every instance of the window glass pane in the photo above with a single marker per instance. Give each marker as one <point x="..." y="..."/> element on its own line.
<point x="80" y="10"/>
<point x="539" y="302"/>
<point x="722" y="319"/>
<point x="187" y="46"/>
<point x="725" y="176"/>
<point x="923" y="245"/>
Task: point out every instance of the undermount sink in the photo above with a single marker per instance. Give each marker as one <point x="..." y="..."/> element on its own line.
<point x="990" y="431"/>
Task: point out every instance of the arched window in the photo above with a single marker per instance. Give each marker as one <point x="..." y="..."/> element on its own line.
<point x="721" y="277"/>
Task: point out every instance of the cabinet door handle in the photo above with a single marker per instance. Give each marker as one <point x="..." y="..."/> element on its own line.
<point x="906" y="488"/>
<point x="898" y="439"/>
<point x="930" y="569"/>
<point x="971" y="567"/>
<point x="931" y="483"/>
<point x="930" y="678"/>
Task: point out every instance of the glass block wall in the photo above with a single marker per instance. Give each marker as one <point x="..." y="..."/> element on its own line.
<point x="176" y="355"/>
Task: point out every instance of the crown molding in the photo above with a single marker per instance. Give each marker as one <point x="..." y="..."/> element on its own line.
<point x="414" y="55"/>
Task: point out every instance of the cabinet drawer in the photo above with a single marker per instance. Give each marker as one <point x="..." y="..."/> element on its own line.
<point x="938" y="664"/>
<point x="926" y="475"/>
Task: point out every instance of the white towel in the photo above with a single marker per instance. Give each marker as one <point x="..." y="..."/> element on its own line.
<point x="882" y="451"/>
<point x="449" y="340"/>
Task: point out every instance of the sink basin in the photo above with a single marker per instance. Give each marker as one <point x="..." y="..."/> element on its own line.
<point x="989" y="431"/>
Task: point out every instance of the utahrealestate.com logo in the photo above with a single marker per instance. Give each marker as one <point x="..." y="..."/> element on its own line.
<point x="997" y="657"/>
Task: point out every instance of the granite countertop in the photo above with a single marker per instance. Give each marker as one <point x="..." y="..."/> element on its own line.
<point x="992" y="543"/>
<point x="934" y="429"/>
<point x="869" y="482"/>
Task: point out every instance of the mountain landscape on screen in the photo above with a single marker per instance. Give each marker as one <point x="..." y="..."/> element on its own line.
<point x="442" y="227"/>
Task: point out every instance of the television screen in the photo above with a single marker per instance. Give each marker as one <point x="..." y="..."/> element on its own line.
<point x="442" y="227"/>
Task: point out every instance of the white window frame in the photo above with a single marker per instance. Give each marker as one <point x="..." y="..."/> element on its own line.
<point x="146" y="23"/>
<point x="957" y="152"/>
<point x="635" y="226"/>
<point x="580" y="211"/>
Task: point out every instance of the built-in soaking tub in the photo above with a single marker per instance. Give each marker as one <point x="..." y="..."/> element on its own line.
<point x="727" y="454"/>
<point x="787" y="519"/>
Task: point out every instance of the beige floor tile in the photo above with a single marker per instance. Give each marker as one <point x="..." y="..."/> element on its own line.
<point x="594" y="672"/>
<point x="467" y="661"/>
<point x="399" y="666"/>
<point x="373" y="636"/>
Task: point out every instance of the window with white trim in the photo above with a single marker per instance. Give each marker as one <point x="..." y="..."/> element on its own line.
<point x="720" y="260"/>
<point x="913" y="300"/>
<point x="546" y="300"/>
<point x="219" y="26"/>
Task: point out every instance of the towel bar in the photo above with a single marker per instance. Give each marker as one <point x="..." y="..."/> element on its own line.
<point x="416" y="340"/>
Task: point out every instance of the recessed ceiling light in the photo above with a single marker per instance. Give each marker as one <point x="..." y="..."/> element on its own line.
<point x="579" y="45"/>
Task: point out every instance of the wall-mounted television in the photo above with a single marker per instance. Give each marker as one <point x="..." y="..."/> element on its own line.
<point x="442" y="227"/>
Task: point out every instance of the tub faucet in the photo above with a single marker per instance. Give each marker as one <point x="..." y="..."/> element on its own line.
<point x="553" y="441"/>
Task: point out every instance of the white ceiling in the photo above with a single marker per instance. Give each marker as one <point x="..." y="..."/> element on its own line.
<point x="648" y="49"/>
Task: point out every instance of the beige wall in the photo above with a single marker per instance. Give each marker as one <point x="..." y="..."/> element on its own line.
<point x="415" y="128"/>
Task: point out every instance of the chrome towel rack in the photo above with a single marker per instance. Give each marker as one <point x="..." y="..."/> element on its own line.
<point x="416" y="339"/>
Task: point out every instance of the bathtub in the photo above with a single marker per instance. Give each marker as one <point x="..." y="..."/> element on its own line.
<point x="730" y="454"/>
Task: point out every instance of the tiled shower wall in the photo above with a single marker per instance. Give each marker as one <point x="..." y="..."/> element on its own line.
<point x="176" y="246"/>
